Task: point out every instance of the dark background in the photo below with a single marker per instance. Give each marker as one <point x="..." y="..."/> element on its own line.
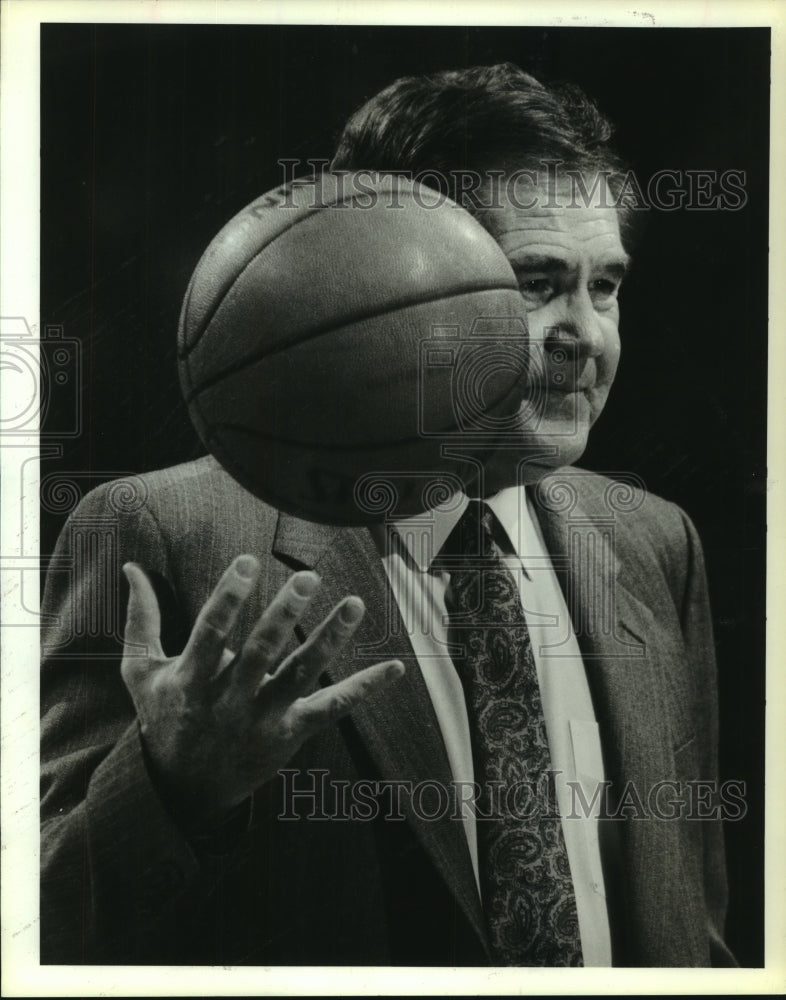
<point x="153" y="136"/>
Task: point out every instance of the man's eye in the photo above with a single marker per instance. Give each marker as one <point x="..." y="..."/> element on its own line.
<point x="603" y="290"/>
<point x="536" y="289"/>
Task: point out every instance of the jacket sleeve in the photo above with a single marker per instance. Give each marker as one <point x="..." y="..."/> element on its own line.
<point x="113" y="864"/>
<point x="698" y="636"/>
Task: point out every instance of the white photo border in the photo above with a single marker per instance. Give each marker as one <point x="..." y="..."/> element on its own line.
<point x="19" y="290"/>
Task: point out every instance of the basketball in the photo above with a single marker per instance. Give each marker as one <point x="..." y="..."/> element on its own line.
<point x="349" y="344"/>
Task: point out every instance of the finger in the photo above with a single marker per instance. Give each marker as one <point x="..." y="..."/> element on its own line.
<point x="271" y="633"/>
<point x="326" y="706"/>
<point x="141" y="642"/>
<point x="299" y="672"/>
<point x="205" y="647"/>
<point x="143" y="618"/>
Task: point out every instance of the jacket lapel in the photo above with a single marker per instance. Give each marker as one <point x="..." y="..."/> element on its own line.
<point x="633" y="667"/>
<point x="399" y="726"/>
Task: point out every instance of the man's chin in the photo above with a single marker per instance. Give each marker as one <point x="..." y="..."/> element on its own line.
<point x="528" y="461"/>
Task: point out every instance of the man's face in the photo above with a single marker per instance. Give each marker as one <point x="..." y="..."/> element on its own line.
<point x="569" y="262"/>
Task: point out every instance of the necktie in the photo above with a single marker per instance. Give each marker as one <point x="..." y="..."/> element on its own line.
<point x="524" y="871"/>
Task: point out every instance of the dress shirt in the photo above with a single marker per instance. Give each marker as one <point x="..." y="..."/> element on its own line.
<point x="410" y="551"/>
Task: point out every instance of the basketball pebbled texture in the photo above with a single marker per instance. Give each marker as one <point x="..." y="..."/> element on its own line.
<point x="320" y="336"/>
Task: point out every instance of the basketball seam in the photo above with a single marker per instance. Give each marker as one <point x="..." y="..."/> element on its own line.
<point x="316" y="445"/>
<point x="346" y="321"/>
<point x="206" y="321"/>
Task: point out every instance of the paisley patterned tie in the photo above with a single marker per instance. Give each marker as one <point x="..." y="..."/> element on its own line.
<point x="525" y="876"/>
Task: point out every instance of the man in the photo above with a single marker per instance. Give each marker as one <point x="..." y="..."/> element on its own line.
<point x="267" y="797"/>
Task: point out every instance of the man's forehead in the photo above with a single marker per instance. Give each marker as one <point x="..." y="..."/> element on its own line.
<point x="554" y="226"/>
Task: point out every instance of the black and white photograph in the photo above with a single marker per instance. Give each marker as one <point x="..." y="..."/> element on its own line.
<point x="395" y="422"/>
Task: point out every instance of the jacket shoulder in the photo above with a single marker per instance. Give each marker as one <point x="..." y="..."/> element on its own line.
<point x="197" y="492"/>
<point x="648" y="530"/>
<point x="188" y="521"/>
<point x="625" y="496"/>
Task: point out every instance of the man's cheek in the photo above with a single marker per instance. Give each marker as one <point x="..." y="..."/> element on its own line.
<point x="612" y="349"/>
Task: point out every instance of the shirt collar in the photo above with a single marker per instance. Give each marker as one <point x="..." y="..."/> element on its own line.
<point x="423" y="535"/>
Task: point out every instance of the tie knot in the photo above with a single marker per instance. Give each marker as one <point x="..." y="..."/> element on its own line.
<point x="474" y="533"/>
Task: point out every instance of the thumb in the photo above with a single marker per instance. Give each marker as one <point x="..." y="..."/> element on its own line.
<point x="143" y="618"/>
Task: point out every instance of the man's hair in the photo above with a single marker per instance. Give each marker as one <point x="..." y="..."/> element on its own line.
<point x="477" y="119"/>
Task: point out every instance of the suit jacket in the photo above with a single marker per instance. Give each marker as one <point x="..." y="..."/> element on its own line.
<point x="120" y="882"/>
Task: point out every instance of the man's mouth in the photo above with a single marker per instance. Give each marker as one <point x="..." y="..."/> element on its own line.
<point x="564" y="387"/>
<point x="548" y="381"/>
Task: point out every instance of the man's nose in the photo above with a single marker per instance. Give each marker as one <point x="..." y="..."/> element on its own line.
<point x="574" y="326"/>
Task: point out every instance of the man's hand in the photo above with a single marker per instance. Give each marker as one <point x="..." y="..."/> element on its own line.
<point x="217" y="725"/>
